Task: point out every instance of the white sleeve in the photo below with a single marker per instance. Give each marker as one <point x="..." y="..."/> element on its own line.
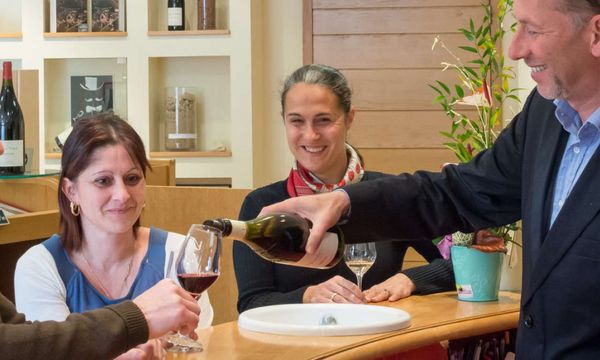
<point x="172" y="245"/>
<point x="40" y="293"/>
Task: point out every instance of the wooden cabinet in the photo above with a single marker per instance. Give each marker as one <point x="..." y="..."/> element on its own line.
<point x="38" y="196"/>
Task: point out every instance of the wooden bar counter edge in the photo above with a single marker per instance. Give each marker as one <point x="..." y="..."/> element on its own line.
<point x="435" y="318"/>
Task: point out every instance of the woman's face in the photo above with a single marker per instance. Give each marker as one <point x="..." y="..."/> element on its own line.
<point x="316" y="129"/>
<point x="110" y="191"/>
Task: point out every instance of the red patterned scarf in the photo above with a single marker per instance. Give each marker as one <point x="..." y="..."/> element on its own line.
<point x="302" y="182"/>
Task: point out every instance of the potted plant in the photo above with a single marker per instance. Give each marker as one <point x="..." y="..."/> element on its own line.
<point x="475" y="105"/>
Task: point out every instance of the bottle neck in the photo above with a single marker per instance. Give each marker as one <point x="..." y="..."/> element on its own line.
<point x="238" y="229"/>
<point x="7" y="72"/>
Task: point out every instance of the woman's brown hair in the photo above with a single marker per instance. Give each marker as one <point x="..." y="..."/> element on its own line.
<point x="88" y="135"/>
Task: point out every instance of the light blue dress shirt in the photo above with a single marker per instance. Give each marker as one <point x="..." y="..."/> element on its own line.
<point x="584" y="139"/>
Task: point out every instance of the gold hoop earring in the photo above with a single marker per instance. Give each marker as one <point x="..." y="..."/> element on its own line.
<point x="74" y="209"/>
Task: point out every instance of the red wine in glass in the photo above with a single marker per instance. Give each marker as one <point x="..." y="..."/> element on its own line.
<point x="197" y="283"/>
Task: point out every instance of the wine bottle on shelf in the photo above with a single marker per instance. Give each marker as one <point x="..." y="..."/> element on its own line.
<point x="12" y="126"/>
<point x="176" y="15"/>
<point x="281" y="238"/>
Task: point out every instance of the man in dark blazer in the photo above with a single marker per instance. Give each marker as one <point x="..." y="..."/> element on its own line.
<point x="543" y="169"/>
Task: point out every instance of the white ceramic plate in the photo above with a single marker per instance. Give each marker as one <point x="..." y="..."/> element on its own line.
<point x="306" y="319"/>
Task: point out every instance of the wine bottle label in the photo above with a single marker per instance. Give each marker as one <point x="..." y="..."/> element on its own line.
<point x="324" y="254"/>
<point x="13" y="153"/>
<point x="181" y="136"/>
<point x="175" y="16"/>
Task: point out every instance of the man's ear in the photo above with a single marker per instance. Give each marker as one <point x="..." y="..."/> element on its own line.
<point x="595" y="28"/>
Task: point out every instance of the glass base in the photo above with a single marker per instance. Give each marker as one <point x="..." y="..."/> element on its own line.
<point x="183" y="344"/>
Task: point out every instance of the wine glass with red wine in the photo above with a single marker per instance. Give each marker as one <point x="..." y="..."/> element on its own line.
<point x="197" y="264"/>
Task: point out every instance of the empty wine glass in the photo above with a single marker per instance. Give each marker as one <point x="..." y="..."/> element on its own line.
<point x="197" y="268"/>
<point x="359" y="258"/>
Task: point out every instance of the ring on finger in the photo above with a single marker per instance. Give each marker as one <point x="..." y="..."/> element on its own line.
<point x="333" y="295"/>
<point x="387" y="291"/>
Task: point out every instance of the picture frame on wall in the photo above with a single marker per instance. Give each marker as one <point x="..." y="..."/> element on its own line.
<point x="90" y="94"/>
<point x="68" y="15"/>
<point x="108" y="15"/>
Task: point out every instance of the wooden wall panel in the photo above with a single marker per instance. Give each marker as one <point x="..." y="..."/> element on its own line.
<point x="385" y="51"/>
<point x="345" y="4"/>
<point x="396" y="161"/>
<point x="401" y="89"/>
<point x="393" y="20"/>
<point x="399" y="129"/>
<point x="384" y="47"/>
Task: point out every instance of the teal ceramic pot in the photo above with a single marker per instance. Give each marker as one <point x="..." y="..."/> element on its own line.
<point x="477" y="273"/>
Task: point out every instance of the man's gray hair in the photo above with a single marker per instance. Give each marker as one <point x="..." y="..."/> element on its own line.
<point x="581" y="11"/>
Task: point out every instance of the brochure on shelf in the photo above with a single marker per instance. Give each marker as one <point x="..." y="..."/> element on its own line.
<point x="108" y="15"/>
<point x="68" y="15"/>
<point x="90" y="94"/>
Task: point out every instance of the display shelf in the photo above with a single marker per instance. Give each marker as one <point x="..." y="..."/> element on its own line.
<point x="157" y="16"/>
<point x="189" y="32"/>
<point x="143" y="61"/>
<point x="188" y="154"/>
<point x="15" y="35"/>
<point x="53" y="155"/>
<point x="167" y="154"/>
<point x="209" y="75"/>
<point x="10" y="19"/>
<point x="48" y="19"/>
<point x="93" y="93"/>
<point x="54" y="35"/>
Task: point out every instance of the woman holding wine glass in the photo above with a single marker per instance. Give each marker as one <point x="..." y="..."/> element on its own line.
<point x="197" y="266"/>
<point x="102" y="255"/>
<point x="317" y="115"/>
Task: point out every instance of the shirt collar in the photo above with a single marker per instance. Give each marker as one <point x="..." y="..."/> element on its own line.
<point x="571" y="121"/>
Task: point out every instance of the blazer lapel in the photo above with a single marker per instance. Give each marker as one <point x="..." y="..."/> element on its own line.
<point x="534" y="227"/>
<point x="579" y="209"/>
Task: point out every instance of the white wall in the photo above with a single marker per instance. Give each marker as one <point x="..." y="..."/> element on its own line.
<point x="282" y="45"/>
<point x="523" y="78"/>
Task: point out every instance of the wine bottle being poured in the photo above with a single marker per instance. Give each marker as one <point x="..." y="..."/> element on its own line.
<point x="281" y="238"/>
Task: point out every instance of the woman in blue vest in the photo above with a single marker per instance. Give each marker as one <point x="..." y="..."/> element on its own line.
<point x="102" y="255"/>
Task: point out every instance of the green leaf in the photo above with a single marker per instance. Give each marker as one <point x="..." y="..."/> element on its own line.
<point x="514" y="97"/>
<point x="469" y="49"/>
<point x="436" y="89"/>
<point x="459" y="91"/>
<point x="472" y="72"/>
<point x="444" y="86"/>
<point x="467" y="34"/>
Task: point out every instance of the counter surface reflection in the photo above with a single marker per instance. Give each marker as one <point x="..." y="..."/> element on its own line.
<point x="435" y="318"/>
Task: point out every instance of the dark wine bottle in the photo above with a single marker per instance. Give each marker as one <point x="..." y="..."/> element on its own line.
<point x="176" y="15"/>
<point x="281" y="238"/>
<point x="12" y="126"/>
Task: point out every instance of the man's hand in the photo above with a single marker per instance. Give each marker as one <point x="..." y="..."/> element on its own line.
<point x="168" y="307"/>
<point x="323" y="210"/>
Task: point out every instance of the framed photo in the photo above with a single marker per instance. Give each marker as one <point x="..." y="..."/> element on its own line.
<point x="90" y="94"/>
<point x="108" y="15"/>
<point x="68" y="16"/>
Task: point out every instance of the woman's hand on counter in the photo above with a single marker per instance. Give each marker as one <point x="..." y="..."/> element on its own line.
<point x="394" y="288"/>
<point x="335" y="290"/>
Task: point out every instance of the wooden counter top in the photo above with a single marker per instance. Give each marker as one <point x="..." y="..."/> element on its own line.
<point x="435" y="318"/>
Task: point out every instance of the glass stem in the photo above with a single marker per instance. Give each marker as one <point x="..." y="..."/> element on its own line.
<point x="359" y="281"/>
